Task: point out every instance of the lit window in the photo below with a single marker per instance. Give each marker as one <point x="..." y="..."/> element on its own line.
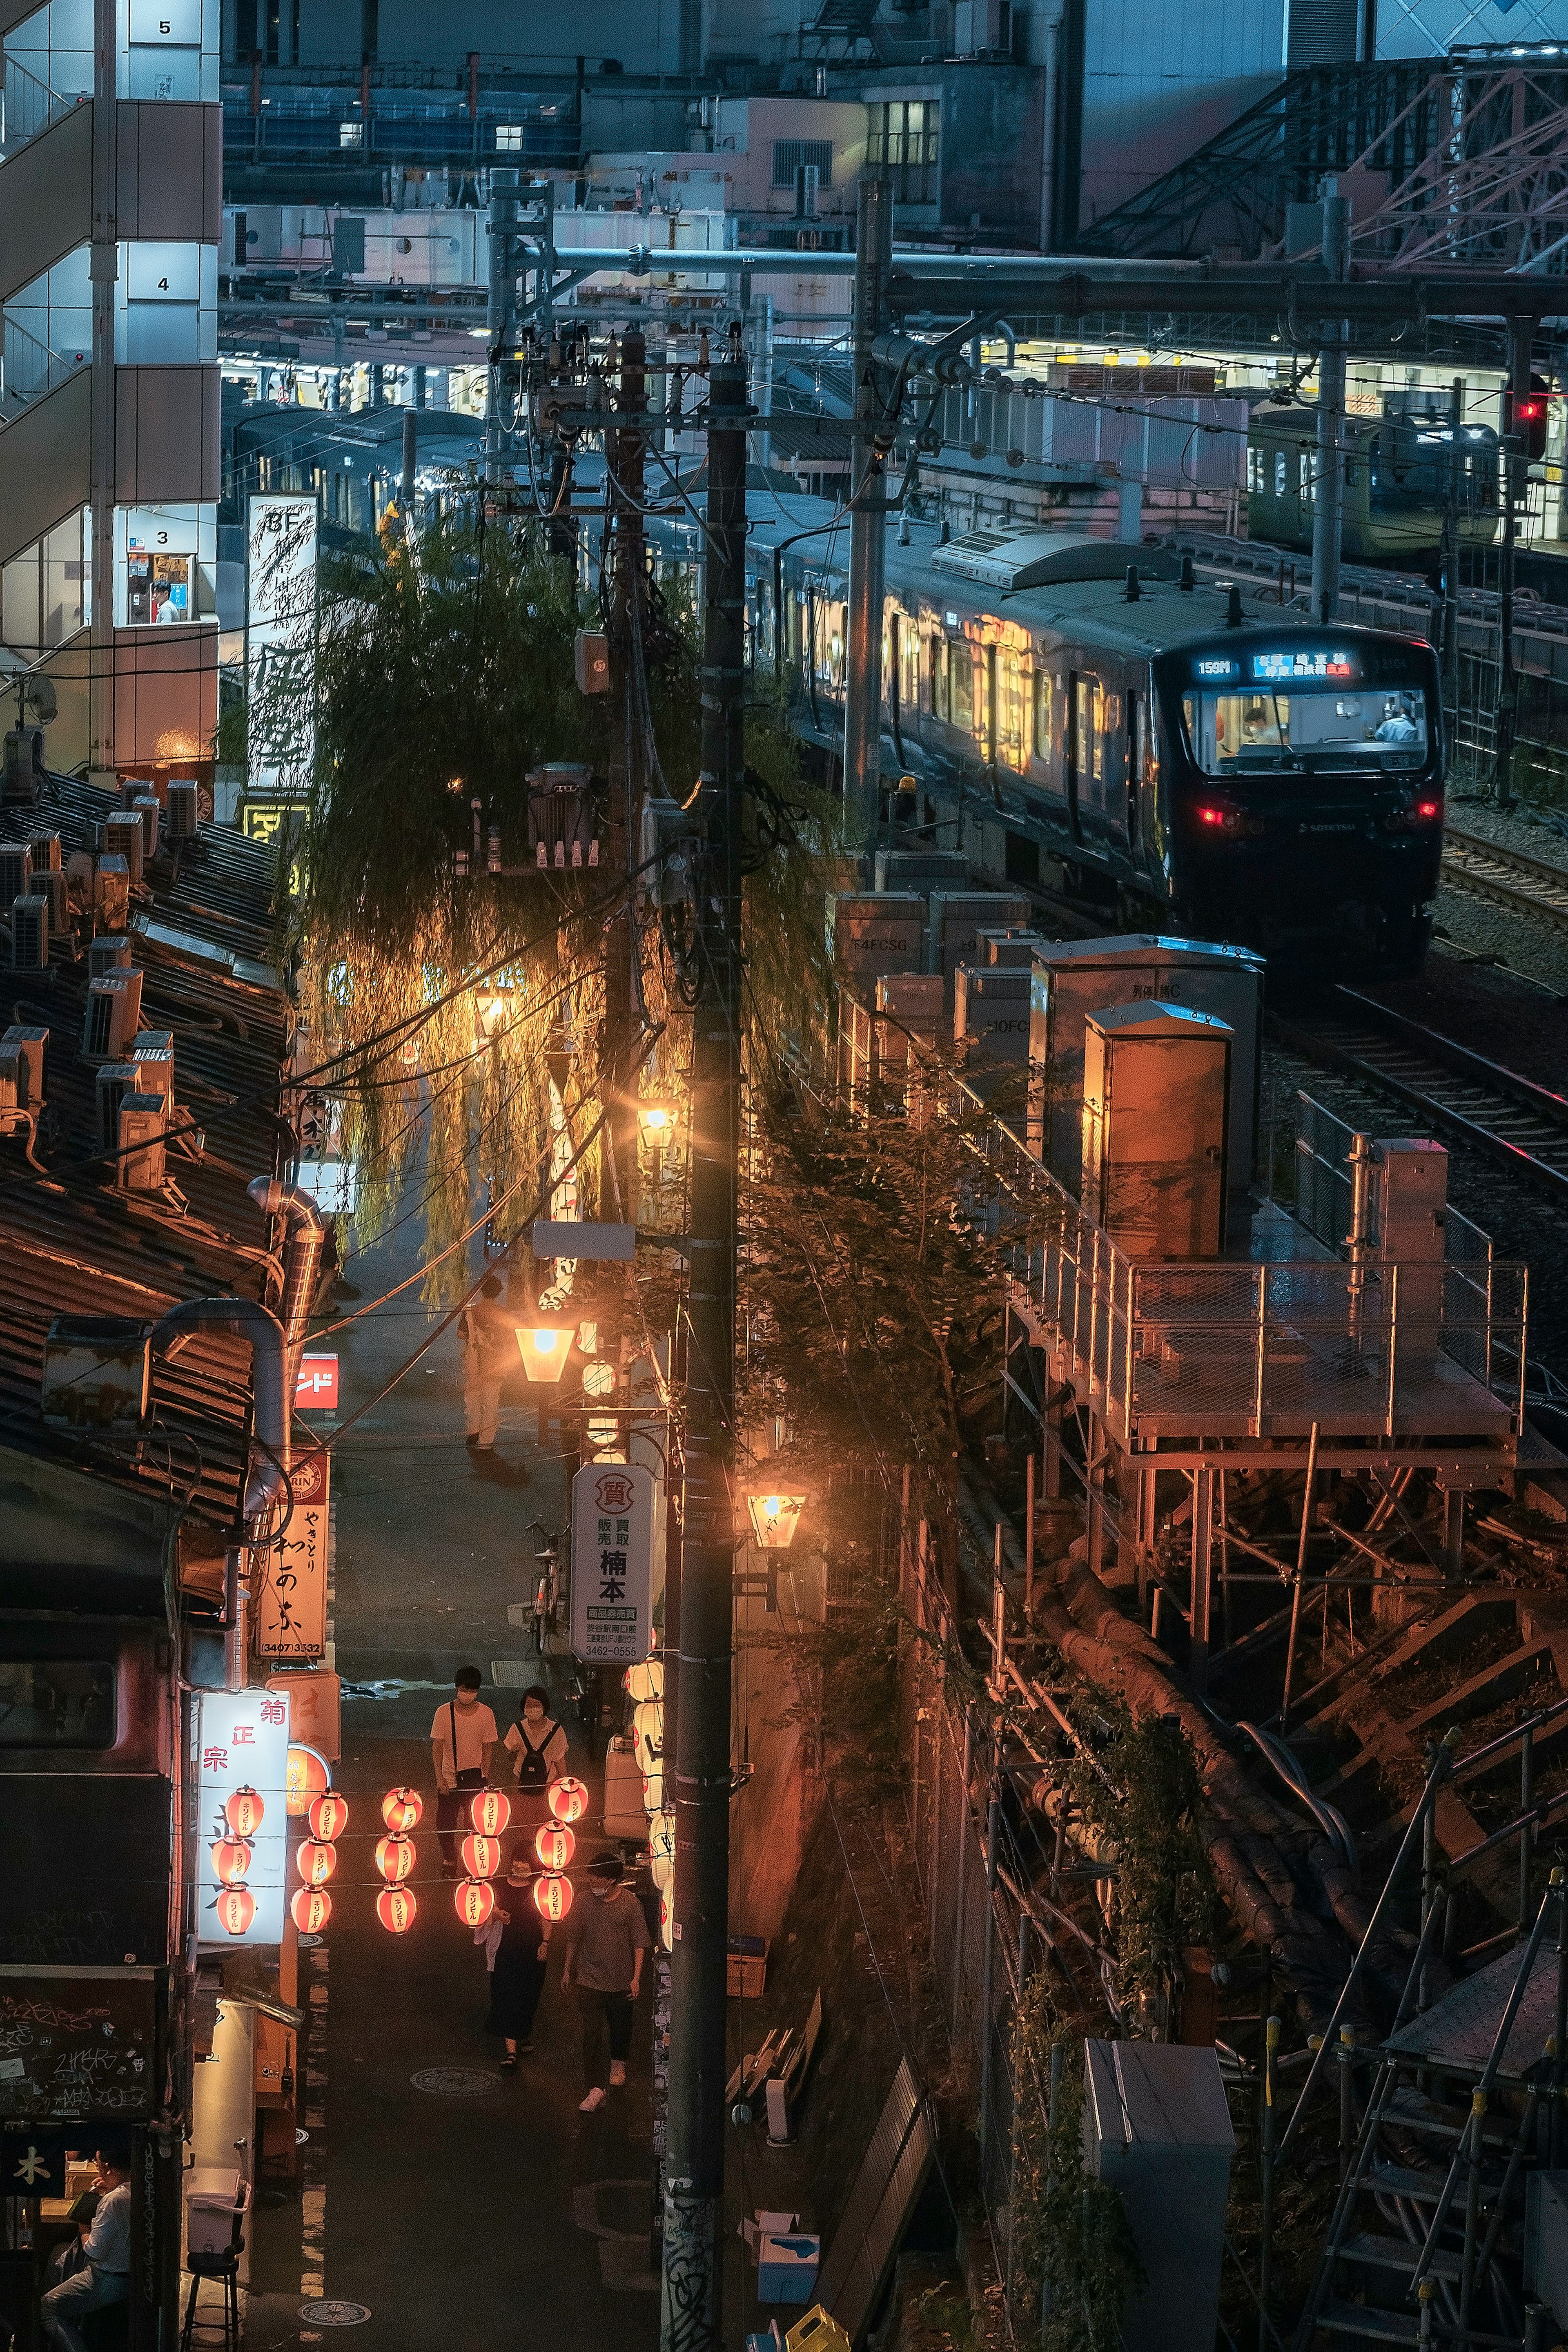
<point x="350" y="134"/>
<point x="508" y="138"/>
<point x="1278" y="473"/>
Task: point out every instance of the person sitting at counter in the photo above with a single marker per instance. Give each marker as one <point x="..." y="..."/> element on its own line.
<point x="106" y="2279"/>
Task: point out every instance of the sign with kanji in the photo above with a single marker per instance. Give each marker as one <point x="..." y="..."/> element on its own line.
<point x="291" y="1596"/>
<point x="242" y="1742"/>
<point x="316" y="1384"/>
<point x="612" y="1563"/>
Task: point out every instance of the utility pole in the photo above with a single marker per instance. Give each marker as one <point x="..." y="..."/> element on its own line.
<point x="623" y="451"/>
<point x="693" y="2175"/>
<point x="499" y="318"/>
<point x="1328" y="504"/>
<point x="1515" y="479"/>
<point x="410" y="467"/>
<point x="868" y="522"/>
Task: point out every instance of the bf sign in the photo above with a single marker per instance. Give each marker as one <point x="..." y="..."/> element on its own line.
<point x="316" y="1390"/>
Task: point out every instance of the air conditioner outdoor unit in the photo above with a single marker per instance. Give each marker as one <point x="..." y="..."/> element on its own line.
<point x="51" y="884"/>
<point x="44" y="849"/>
<point x="111" y="890"/>
<point x="22" y="771"/>
<point x="16" y="871"/>
<point x="153" y="1054"/>
<point x="122" y="836"/>
<point x="29" y="1046"/>
<point x="98" y="1372"/>
<point x="112" y="1017"/>
<point x="150" y="809"/>
<point x="110" y="952"/>
<point x="115" y="1081"/>
<point x="29" y="934"/>
<point x="141" y="1150"/>
<point x="183" y="810"/>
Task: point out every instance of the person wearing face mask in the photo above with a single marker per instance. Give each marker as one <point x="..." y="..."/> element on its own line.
<point x="536" y="1744"/>
<point x="516" y="1947"/>
<point x="606" y="1937"/>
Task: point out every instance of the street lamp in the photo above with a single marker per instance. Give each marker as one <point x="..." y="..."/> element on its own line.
<point x="544" y="1347"/>
<point x="658" y="1120"/>
<point x="773" y="1519"/>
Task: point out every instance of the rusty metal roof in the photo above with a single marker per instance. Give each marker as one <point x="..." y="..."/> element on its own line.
<point x="72" y="1241"/>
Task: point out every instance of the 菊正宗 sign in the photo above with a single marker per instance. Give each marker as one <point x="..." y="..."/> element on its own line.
<point x="612" y="1563"/>
<point x="291" y="1603"/>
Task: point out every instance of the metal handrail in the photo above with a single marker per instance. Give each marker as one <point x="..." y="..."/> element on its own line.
<point x="31" y="108"/>
<point x="23" y="351"/>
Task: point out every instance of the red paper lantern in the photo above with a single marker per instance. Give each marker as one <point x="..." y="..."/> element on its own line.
<point x="315" y="1863"/>
<point x="311" y="1909"/>
<point x="329" y="1816"/>
<point x="488" y="1812"/>
<point x="236" y="1909"/>
<point x="243" y="1813"/>
<point x="231" y="1860"/>
<point x="568" y="1800"/>
<point x="475" y="1900"/>
<point x="552" y="1897"/>
<point x="395" y="1859"/>
<point x="481" y="1856"/>
<point x="554" y="1845"/>
<point x="402" y="1810"/>
<point x="395" y="1907"/>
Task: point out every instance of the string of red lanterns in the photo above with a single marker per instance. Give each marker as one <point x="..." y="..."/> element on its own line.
<point x="395" y="1859"/>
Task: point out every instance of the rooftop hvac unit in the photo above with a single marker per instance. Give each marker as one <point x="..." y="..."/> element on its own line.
<point x="110" y="952"/>
<point x="98" y="1371"/>
<point x="115" y="1081"/>
<point x="560" y="815"/>
<point x="872" y="934"/>
<point x="1014" y="950"/>
<point x="131" y="789"/>
<point x="990" y="1012"/>
<point x="122" y="836"/>
<point x="16" y="871"/>
<point x="112" y="1017"/>
<point x="51" y="884"/>
<point x="29" y="933"/>
<point x="150" y="809"/>
<point x="1156" y="1104"/>
<point x="111" y="890"/>
<point x="183" y="810"/>
<point x="672" y="836"/>
<point x="22" y="771"/>
<point x="43" y="848"/>
<point x="29" y="1046"/>
<point x="153" y="1054"/>
<point x="956" y="919"/>
<point x="920" y="869"/>
<point x="142" y="1152"/>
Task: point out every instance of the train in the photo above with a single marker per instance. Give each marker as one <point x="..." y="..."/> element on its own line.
<point x="1402" y="475"/>
<point x="1082" y="716"/>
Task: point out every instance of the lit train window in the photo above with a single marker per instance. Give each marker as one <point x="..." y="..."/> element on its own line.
<point x="1305" y="478"/>
<point x="908" y="666"/>
<point x="1278" y="473"/>
<point x="961" y="688"/>
<point x="939" y="677"/>
<point x="1042" y="715"/>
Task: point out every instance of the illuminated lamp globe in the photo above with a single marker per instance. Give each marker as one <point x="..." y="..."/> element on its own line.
<point x="488" y="1812"/>
<point x="774" y="1517"/>
<point x="316" y="1861"/>
<point x="473" y="1901"/>
<point x="402" y="1810"/>
<point x="310" y="1909"/>
<point x="552" y="1897"/>
<point x="308" y="1776"/>
<point x="395" y="1908"/>
<point x="329" y="1816"/>
<point x="544" y="1347"/>
<point x="243" y="1813"/>
<point x="481" y="1856"/>
<point x="658" y="1120"/>
<point x="654" y="1788"/>
<point x="395" y="1859"/>
<point x="554" y="1846"/>
<point x="231" y="1860"/>
<point x="667" y="1918"/>
<point x="644" y="1681"/>
<point x="648" y="1732"/>
<point x="236" y="1909"/>
<point x="568" y="1799"/>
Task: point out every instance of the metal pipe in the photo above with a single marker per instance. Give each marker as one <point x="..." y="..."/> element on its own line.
<point x="993" y="1822"/>
<point x="306" y="1238"/>
<point x="1328" y="502"/>
<point x="1301" y="1568"/>
<point x="1266" y="2247"/>
<point x="868" y="526"/>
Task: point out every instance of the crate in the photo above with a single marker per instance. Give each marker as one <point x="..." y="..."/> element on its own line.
<point x="746" y="1970"/>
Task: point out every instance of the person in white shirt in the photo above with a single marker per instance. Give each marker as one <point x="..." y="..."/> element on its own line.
<point x="107" y="2278"/>
<point x="462" y="1734"/>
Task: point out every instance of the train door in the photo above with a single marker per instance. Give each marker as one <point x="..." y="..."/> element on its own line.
<point x="1088" y="781"/>
<point x="989" y="733"/>
<point x="1079" y="705"/>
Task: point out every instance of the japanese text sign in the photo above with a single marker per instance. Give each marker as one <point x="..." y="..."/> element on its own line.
<point x="612" y="1563"/>
<point x="316" y="1385"/>
<point x="291" y="1598"/>
<point x="242" y="1742"/>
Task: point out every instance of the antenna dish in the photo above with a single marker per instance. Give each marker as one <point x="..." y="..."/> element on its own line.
<point x="39" y="701"/>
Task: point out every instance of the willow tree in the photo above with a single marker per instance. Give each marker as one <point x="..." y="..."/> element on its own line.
<point x="467" y="1006"/>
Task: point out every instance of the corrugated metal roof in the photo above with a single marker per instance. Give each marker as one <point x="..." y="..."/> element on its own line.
<point x="72" y="1242"/>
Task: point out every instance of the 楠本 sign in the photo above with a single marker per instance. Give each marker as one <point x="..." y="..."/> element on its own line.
<point x="612" y="1563"/>
<point x="242" y="1742"/>
<point x="291" y="1598"/>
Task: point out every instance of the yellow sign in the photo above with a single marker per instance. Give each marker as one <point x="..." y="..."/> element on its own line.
<point x="291" y="1603"/>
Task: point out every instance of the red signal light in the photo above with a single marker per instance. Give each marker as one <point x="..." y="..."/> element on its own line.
<point x="1211" y="816"/>
<point x="1428" y="808"/>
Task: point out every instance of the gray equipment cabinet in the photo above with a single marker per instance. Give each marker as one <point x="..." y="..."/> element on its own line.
<point x="1157" y="2127"/>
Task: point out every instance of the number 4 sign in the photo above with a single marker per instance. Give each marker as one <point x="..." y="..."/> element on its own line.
<point x="612" y="1563"/>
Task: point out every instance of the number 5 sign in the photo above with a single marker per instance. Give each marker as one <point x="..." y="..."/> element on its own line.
<point x="612" y="1563"/>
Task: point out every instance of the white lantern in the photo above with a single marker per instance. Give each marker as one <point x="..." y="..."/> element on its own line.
<point x="648" y="1732"/>
<point x="645" y="1680"/>
<point x="773" y="1519"/>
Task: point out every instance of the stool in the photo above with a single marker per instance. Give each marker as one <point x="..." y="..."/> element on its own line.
<point x="221" y="2264"/>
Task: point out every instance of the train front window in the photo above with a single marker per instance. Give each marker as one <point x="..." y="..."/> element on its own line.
<point x="1321" y="729"/>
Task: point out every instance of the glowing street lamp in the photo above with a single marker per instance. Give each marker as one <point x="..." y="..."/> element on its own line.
<point x="774" y="1517"/>
<point x="658" y="1120"/>
<point x="544" y="1347"/>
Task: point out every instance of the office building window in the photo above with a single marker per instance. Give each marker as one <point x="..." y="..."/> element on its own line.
<point x="350" y="134"/>
<point x="903" y="140"/>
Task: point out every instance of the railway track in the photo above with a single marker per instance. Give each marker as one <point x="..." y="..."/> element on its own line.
<point x="1456" y="1091"/>
<point x="1508" y="877"/>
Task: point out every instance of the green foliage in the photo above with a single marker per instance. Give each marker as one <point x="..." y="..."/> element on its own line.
<point x="1166" y="1895"/>
<point x="846" y="1671"/>
<point x="1076" y="2264"/>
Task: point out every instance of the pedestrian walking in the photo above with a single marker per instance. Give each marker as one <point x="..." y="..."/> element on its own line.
<point x="489" y="1352"/>
<point x="462" y="1735"/>
<point x="537" y="1746"/>
<point x="105" y="2278"/>
<point x="516" y="1947"/>
<point x="606" y="1937"/>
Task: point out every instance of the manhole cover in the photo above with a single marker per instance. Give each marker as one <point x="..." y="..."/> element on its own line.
<point x="454" y="2082"/>
<point x="334" y="2315"/>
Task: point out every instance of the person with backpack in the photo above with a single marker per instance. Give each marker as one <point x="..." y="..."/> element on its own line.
<point x="536" y="1744"/>
<point x="462" y="1735"/>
